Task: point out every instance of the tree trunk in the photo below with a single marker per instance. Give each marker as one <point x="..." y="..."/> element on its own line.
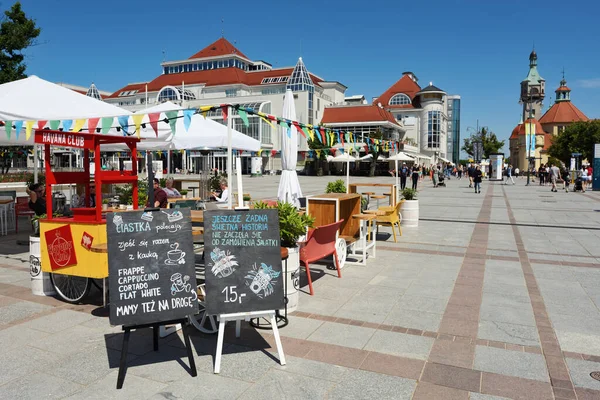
<point x="372" y="166"/>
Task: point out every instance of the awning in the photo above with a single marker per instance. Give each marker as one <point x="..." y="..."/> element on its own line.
<point x="443" y="159"/>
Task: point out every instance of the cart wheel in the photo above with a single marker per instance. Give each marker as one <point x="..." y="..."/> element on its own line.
<point x="71" y="288"/>
<point x="202" y="321"/>
<point x="342" y="250"/>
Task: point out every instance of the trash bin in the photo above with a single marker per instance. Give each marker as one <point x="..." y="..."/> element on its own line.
<point x="40" y="281"/>
<point x="293" y="279"/>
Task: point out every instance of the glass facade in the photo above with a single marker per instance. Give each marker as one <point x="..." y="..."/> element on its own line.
<point x="170" y="93"/>
<point x="300" y="81"/>
<point x="202" y="66"/>
<point x="454" y="129"/>
<point x="434" y="120"/>
<point x="256" y="129"/>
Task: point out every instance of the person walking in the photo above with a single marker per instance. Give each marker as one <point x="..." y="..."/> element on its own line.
<point x="471" y="172"/>
<point x="403" y="176"/>
<point x="509" y="175"/>
<point x="566" y="179"/>
<point x="477" y="174"/>
<point x="517" y="172"/>
<point x="416" y="171"/>
<point x="554" y="175"/>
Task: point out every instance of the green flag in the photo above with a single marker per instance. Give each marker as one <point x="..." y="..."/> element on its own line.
<point x="107" y="124"/>
<point x="172" y="117"/>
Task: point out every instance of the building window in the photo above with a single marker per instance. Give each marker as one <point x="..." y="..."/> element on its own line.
<point x="400" y="99"/>
<point x="434" y="119"/>
<point x="231" y="92"/>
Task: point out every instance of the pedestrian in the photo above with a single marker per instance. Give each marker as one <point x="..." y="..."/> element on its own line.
<point x="477" y="179"/>
<point x="566" y="179"/>
<point x="434" y="177"/>
<point x="509" y="175"/>
<point x="403" y="176"/>
<point x="517" y="172"/>
<point x="541" y="175"/>
<point x="416" y="172"/>
<point x="460" y="172"/>
<point x="554" y="175"/>
<point x="584" y="177"/>
<point x="470" y="172"/>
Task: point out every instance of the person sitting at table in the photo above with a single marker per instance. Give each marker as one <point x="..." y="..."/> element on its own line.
<point x="170" y="190"/>
<point x="160" y="197"/>
<point x="224" y="193"/>
<point x="37" y="198"/>
<point x="92" y="202"/>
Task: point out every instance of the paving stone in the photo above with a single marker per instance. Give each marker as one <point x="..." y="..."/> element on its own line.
<point x="427" y="391"/>
<point x="18" y="335"/>
<point x="300" y="328"/>
<point x="312" y="369"/>
<point x="416" y="319"/>
<point x="22" y="361"/>
<point x="512" y="363"/>
<point x="369" y="385"/>
<point x="63" y="343"/>
<point x="580" y="373"/>
<point x="514" y="315"/>
<point x="204" y="386"/>
<point x="20" y="310"/>
<point x="400" y="344"/>
<point x="429" y="291"/>
<point x="499" y="300"/>
<point x="422" y="303"/>
<point x="508" y="333"/>
<point x="504" y="289"/>
<point x="59" y="321"/>
<point x="134" y="387"/>
<point x="35" y="385"/>
<point x="283" y="385"/>
<point x="479" y="396"/>
<point x="343" y="335"/>
<point x="585" y="343"/>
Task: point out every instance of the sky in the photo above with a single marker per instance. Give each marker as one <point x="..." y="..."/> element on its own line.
<point x="476" y="49"/>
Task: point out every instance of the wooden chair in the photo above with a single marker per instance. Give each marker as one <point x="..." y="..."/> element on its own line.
<point x="392" y="218"/>
<point x="320" y="243"/>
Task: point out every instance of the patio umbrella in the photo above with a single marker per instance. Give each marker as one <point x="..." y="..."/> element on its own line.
<point x="289" y="187"/>
<point x="345" y="157"/>
<point x="401" y="156"/>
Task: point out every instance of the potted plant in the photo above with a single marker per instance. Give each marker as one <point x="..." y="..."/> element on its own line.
<point x="337" y="186"/>
<point x="184" y="193"/>
<point x="410" y="208"/>
<point x="292" y="226"/>
<point x="247" y="200"/>
<point x="105" y="204"/>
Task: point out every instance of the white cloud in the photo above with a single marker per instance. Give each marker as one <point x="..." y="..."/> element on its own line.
<point x="589" y="83"/>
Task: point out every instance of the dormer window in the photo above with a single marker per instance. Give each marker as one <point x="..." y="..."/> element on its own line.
<point x="400" y="99"/>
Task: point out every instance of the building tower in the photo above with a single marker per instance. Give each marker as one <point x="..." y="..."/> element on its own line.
<point x="533" y="90"/>
<point x="563" y="112"/>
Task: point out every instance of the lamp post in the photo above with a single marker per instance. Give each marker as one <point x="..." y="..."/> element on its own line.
<point x="528" y="143"/>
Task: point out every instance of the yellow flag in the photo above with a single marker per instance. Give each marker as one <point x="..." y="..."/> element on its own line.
<point x="28" y="126"/>
<point x="137" y="120"/>
<point x="350" y="137"/>
<point x="318" y="153"/>
<point x="267" y="121"/>
<point x="79" y="123"/>
<point x="204" y="110"/>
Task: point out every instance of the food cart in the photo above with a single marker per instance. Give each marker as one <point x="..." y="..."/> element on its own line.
<point x="66" y="242"/>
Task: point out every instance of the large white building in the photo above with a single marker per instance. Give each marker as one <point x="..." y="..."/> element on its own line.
<point x="220" y="73"/>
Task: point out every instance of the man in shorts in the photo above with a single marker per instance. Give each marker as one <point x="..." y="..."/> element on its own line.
<point x="554" y="176"/>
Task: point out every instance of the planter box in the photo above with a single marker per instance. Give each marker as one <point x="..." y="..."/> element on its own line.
<point x="410" y="213"/>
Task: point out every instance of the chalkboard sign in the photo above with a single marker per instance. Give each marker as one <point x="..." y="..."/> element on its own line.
<point x="151" y="277"/>
<point x="243" y="261"/>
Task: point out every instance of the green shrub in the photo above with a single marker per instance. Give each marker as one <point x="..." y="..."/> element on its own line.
<point x="292" y="225"/>
<point x="125" y="193"/>
<point x="337" y="186"/>
<point x="409" y="194"/>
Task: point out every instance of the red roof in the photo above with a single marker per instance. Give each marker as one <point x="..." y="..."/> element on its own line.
<point x="359" y="113"/>
<point x="563" y="111"/>
<point x="131" y="86"/>
<point x="563" y="89"/>
<point x="221" y="47"/>
<point x="520" y="130"/>
<point x="404" y="85"/>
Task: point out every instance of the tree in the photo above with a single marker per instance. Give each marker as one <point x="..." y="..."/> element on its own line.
<point x="374" y="149"/>
<point x="17" y="32"/>
<point x="491" y="144"/>
<point x="579" y="137"/>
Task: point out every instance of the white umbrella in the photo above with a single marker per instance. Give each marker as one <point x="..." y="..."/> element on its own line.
<point x="289" y="186"/>
<point x="401" y="156"/>
<point x="345" y="157"/>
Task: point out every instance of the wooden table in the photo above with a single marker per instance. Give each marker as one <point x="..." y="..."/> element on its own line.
<point x="363" y="244"/>
<point x="7" y="201"/>
<point x="353" y="188"/>
<point x="197" y="215"/>
<point x="332" y="207"/>
<point x="176" y="199"/>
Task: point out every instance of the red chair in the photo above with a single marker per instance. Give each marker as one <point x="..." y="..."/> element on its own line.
<point x="320" y="243"/>
<point x="22" y="208"/>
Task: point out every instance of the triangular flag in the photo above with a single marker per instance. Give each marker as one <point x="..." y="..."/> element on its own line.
<point x="267" y="121"/>
<point x="204" y="110"/>
<point x="124" y="122"/>
<point x="67" y="125"/>
<point x="318" y="153"/>
<point x="18" y="127"/>
<point x="153" y="117"/>
<point x="244" y="116"/>
<point x="78" y="125"/>
<point x="187" y="118"/>
<point x="92" y="124"/>
<point x="8" y="128"/>
<point x="224" y="110"/>
<point x="137" y="120"/>
<point x="172" y="117"/>
<point x="107" y="124"/>
<point x="341" y="150"/>
<point x="41" y="124"/>
<point x="54" y="124"/>
<point x="28" y="126"/>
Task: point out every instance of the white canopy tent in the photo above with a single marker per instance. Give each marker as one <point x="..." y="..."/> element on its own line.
<point x="289" y="186"/>
<point x="344" y="157"/>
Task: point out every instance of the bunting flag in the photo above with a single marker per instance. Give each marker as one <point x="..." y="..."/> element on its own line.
<point x="204" y="110"/>
<point x="224" y="110"/>
<point x="172" y="117"/>
<point x="124" y="122"/>
<point x="244" y="116"/>
<point x="341" y="150"/>
<point x="318" y="152"/>
<point x="107" y="124"/>
<point x="273" y="152"/>
<point x="41" y="124"/>
<point x="267" y="121"/>
<point x="187" y="118"/>
<point x="8" y="128"/>
<point x="153" y="118"/>
<point x="78" y="125"/>
<point x="18" y="127"/>
<point x="137" y="120"/>
<point x="67" y="125"/>
<point x="28" y="126"/>
<point x="92" y="124"/>
<point x="309" y="132"/>
<point x="54" y="124"/>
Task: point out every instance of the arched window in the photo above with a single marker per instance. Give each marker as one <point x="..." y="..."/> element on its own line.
<point x="400" y="99"/>
<point x="168" y="93"/>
